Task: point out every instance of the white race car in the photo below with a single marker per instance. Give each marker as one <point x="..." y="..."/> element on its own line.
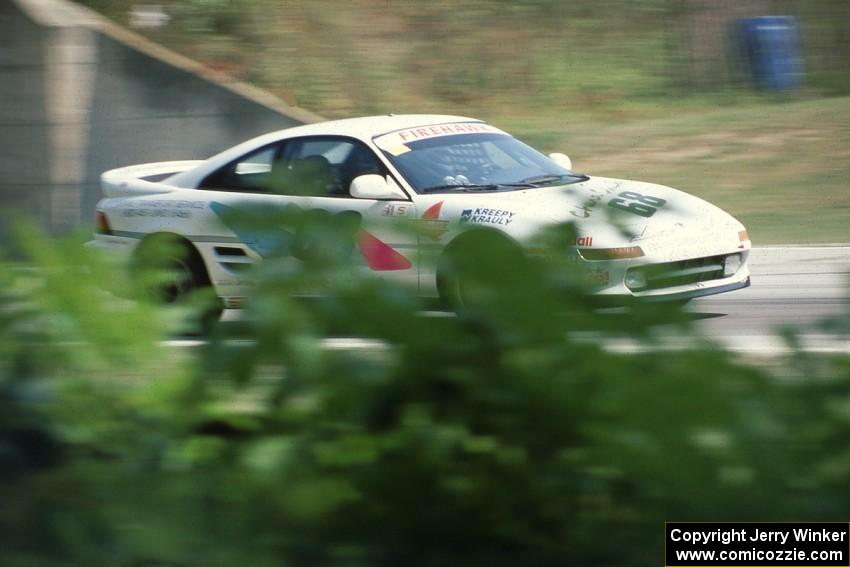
<point x="451" y="176"/>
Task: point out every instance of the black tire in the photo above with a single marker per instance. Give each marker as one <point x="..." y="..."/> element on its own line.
<point x="472" y="267"/>
<point x="172" y="272"/>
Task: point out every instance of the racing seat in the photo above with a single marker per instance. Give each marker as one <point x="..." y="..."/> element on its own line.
<point x="309" y="176"/>
<point x="316" y="175"/>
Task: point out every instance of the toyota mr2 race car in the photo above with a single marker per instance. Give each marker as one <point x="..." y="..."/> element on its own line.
<point x="449" y="176"/>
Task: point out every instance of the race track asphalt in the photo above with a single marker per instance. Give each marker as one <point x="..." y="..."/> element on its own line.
<point x="792" y="287"/>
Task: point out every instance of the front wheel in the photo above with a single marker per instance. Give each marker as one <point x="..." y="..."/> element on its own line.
<point x="477" y="269"/>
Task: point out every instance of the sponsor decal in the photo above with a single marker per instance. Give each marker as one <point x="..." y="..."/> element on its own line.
<point x="379" y="255"/>
<point x="173" y="204"/>
<point x="430" y="223"/>
<point x="163" y="209"/>
<point x="442" y="130"/>
<point x="487" y="216"/>
<point x="637" y="203"/>
<point x="396" y="142"/>
<point x="156" y="213"/>
<point x="584" y="241"/>
<point x="584" y="210"/>
<point x="264" y="242"/>
<point x="395" y="209"/>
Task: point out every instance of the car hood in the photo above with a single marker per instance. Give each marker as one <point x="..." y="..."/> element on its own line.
<point x="681" y="224"/>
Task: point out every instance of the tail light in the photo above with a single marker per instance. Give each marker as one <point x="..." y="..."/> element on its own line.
<point x="101" y="223"/>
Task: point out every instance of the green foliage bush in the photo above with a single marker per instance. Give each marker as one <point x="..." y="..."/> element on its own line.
<point x="500" y="436"/>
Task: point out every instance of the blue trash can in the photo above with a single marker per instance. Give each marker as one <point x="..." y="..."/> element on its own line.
<point x="772" y="47"/>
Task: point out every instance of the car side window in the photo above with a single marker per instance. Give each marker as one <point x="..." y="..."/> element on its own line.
<point x="321" y="166"/>
<point x="251" y="173"/>
<point x="325" y="165"/>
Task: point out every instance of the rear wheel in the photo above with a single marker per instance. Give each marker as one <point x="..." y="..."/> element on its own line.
<point x="172" y="272"/>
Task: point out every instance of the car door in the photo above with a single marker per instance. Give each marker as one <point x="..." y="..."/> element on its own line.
<point x="311" y="175"/>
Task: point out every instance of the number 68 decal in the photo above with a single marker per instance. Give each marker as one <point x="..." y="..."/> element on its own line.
<point x="631" y="202"/>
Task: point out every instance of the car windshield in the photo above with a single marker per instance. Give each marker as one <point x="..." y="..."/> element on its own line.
<point x="469" y="157"/>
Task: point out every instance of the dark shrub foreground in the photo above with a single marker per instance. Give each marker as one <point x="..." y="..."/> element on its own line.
<point x="505" y="435"/>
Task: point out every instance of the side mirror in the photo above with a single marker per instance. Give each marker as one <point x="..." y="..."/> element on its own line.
<point x="373" y="186"/>
<point x="562" y="159"/>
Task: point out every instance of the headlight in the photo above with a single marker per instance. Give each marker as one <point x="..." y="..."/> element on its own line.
<point x="635" y="279"/>
<point x="731" y="265"/>
<point x="611" y="253"/>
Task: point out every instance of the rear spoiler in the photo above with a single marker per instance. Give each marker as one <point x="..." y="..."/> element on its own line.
<point x="142" y="179"/>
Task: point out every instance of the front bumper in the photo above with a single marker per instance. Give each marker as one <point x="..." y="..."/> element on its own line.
<point x="691" y="294"/>
<point x="673" y="280"/>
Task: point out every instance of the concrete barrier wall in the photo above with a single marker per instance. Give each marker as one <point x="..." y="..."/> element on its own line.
<point x="24" y="128"/>
<point x="79" y="95"/>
